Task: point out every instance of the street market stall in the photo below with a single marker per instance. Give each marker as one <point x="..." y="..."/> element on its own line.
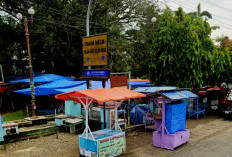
<point x="172" y="131"/>
<point x="106" y="142"/>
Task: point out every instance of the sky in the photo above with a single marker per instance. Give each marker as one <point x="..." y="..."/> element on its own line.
<point x="221" y="11"/>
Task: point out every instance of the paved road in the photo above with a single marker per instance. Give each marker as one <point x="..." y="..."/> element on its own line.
<point x="208" y="139"/>
<point x="213" y="139"/>
<point x="219" y="145"/>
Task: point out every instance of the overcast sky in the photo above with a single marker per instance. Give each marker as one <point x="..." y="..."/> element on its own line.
<point x="221" y="11"/>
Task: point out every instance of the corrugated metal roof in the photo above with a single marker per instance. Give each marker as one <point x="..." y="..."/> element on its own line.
<point x="153" y="89"/>
<point x="188" y="94"/>
<point x="146" y="89"/>
<point x="173" y="95"/>
<point x="166" y="88"/>
<point x="179" y="95"/>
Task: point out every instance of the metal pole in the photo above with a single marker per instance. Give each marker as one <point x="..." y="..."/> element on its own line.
<point x="104" y="105"/>
<point x="163" y="124"/>
<point x="31" y="70"/>
<point x="2" y="73"/>
<point x="87" y="33"/>
<point x="87" y="18"/>
<point x="129" y="99"/>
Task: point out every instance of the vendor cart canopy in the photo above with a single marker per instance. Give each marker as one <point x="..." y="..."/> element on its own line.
<point x="179" y="95"/>
<point x="154" y="89"/>
<point x="101" y="95"/>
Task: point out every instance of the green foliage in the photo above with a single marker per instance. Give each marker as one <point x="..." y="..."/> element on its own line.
<point x="183" y="53"/>
<point x="14" y="116"/>
<point x="200" y="13"/>
<point x="59" y="25"/>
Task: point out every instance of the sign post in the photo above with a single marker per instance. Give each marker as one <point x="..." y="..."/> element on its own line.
<point x="95" y="53"/>
<point x="95" y="50"/>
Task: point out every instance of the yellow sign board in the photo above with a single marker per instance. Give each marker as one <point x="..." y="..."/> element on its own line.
<point x="95" y="50"/>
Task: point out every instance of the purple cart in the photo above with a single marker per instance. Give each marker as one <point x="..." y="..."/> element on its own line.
<point x="161" y="137"/>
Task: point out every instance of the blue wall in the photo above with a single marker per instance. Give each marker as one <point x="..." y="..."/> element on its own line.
<point x="2" y="133"/>
<point x="72" y="109"/>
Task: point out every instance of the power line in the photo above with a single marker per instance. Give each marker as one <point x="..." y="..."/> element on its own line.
<point x="217" y="5"/>
<point x="191" y="9"/>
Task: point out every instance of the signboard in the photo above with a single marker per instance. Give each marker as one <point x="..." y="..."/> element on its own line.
<point x="112" y="146"/>
<point x="96" y="73"/>
<point x="95" y="50"/>
<point x="118" y="81"/>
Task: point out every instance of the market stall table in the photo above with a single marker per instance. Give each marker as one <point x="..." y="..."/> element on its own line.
<point x="74" y="124"/>
<point x="106" y="142"/>
<point x="59" y="120"/>
<point x="10" y="128"/>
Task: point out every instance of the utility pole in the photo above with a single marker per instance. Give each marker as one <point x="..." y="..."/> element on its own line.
<point x="30" y="69"/>
<point x="87" y="34"/>
<point x="31" y="11"/>
<point x="87" y="17"/>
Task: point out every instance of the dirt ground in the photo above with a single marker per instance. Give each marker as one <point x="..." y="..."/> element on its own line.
<point x="67" y="144"/>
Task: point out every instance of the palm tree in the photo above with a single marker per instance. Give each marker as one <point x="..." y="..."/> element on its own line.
<point x="198" y="13"/>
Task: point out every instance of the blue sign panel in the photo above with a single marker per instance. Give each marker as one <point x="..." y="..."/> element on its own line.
<point x="96" y="73"/>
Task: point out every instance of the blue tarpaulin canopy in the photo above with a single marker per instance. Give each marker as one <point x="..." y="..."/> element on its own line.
<point x="137" y="84"/>
<point x="43" y="79"/>
<point x="42" y="91"/>
<point x="61" y="86"/>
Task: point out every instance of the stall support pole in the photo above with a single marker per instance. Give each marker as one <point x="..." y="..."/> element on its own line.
<point x="129" y="99"/>
<point x="163" y="124"/>
<point x="116" y="118"/>
<point x="104" y="105"/>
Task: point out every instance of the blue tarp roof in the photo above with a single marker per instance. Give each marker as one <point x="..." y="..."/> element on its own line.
<point x="154" y="89"/>
<point x="43" y="79"/>
<point x="179" y="95"/>
<point x="65" y="90"/>
<point x="40" y="91"/>
<point x="188" y="94"/>
<point x="61" y="86"/>
<point x="137" y="84"/>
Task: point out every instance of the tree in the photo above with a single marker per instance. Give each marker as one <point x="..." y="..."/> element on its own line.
<point x="58" y="26"/>
<point x="200" y="13"/>
<point x="183" y="53"/>
<point x="224" y="61"/>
